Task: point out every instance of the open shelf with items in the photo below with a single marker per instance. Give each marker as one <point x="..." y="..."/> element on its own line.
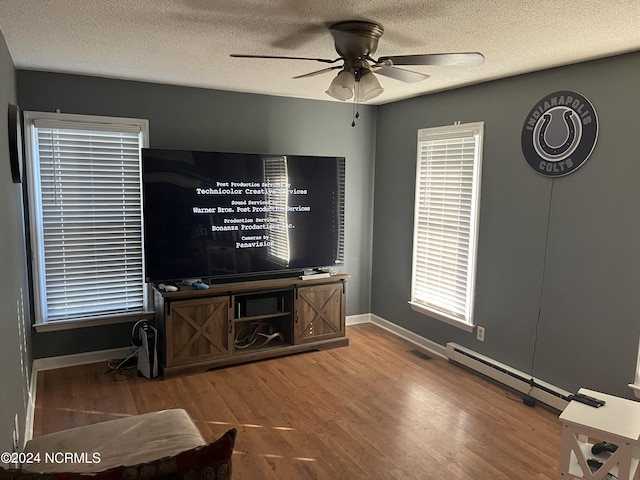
<point x="610" y="464"/>
<point x="263" y="305"/>
<point x="256" y="336"/>
<point x="262" y="320"/>
<point x="245" y="321"/>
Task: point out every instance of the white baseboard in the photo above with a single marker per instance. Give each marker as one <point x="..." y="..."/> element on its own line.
<point x="31" y="408"/>
<point x="428" y="345"/>
<point x="358" y="319"/>
<point x="516" y="380"/>
<point x="51" y="363"/>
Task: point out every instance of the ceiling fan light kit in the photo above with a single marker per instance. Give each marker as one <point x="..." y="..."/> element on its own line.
<point x="368" y="87"/>
<point x="363" y="86"/>
<point x="342" y="86"/>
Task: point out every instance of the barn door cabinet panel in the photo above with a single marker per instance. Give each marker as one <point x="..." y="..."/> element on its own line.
<point x="203" y="329"/>
<point x="319" y="312"/>
<point x="197" y="331"/>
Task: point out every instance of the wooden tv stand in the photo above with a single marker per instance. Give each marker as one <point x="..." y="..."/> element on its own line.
<point x="202" y="329"/>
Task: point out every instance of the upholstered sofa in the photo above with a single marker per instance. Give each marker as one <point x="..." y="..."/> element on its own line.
<point x="160" y="445"/>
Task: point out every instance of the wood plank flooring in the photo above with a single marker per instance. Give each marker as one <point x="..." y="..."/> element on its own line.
<point x="372" y="410"/>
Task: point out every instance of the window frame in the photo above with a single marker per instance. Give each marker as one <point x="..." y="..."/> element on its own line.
<point x="41" y="323"/>
<point x="463" y="320"/>
<point x="635" y="386"/>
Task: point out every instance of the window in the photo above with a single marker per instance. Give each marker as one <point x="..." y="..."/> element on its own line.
<point x="342" y="182"/>
<point x="446" y="222"/>
<point x="86" y="216"/>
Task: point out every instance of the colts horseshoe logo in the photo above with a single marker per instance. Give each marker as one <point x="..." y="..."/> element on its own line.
<point x="559" y="133"/>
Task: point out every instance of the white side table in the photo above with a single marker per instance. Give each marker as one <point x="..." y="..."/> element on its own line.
<point x="616" y="422"/>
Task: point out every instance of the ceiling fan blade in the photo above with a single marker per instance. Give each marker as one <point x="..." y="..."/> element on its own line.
<point x="400" y="74"/>
<point x="318" y="72"/>
<point x="283" y="57"/>
<point x="467" y="58"/>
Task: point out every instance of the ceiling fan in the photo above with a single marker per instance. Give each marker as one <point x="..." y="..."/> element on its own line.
<point x="356" y="41"/>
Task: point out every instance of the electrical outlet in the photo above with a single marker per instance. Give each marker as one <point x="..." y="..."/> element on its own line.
<point x="480" y="333"/>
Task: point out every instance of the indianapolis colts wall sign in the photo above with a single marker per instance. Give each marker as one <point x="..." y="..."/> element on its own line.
<point x="559" y="133"/>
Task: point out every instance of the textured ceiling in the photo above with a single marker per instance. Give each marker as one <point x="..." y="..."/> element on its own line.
<point x="188" y="42"/>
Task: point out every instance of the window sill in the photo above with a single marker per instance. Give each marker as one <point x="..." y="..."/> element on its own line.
<point x="91" y="322"/>
<point x="636" y="389"/>
<point x="416" y="307"/>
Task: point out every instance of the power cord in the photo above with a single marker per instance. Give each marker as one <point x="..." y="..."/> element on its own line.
<point x="544" y="269"/>
<point x="122" y="368"/>
<point x="125" y="363"/>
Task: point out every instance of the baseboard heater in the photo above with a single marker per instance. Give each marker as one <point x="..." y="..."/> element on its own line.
<point x="510" y="377"/>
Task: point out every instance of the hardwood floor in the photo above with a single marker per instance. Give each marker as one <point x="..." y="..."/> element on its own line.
<point x="372" y="410"/>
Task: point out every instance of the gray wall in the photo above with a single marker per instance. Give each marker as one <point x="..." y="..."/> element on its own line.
<point x="572" y="320"/>
<point x="191" y="118"/>
<point x="15" y="359"/>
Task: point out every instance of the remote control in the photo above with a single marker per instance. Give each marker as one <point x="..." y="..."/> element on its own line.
<point x="603" y="447"/>
<point x="594" y="464"/>
<point x="593" y="399"/>
<point x="200" y="286"/>
<point x="587" y="400"/>
<point x="168" y="288"/>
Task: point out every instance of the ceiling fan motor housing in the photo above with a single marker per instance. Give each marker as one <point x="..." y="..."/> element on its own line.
<point x="356" y="41"/>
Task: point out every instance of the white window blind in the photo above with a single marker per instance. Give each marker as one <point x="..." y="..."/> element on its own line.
<point x="342" y="182"/>
<point x="86" y="212"/>
<point x="275" y="171"/>
<point x="446" y="219"/>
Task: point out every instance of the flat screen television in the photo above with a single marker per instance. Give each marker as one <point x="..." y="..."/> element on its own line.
<point x="216" y="215"/>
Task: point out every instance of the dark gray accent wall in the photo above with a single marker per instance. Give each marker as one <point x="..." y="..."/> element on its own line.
<point x="15" y="357"/>
<point x="200" y="119"/>
<point x="558" y="264"/>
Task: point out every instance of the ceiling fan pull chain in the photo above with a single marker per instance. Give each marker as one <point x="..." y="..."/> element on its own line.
<point x="355" y="113"/>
